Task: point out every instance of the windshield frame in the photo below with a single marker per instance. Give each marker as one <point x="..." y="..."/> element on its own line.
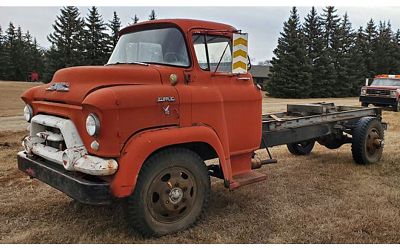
<point x="157" y="27"/>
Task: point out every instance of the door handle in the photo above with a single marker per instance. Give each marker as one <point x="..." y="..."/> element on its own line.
<point x="244" y="78"/>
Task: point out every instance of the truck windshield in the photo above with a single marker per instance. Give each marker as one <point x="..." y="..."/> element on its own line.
<point x="158" y="46"/>
<point x="386" y="82"/>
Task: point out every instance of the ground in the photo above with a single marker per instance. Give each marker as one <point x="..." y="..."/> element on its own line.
<point x="321" y="198"/>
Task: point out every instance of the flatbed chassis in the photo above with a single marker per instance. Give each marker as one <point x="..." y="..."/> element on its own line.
<point x="305" y="122"/>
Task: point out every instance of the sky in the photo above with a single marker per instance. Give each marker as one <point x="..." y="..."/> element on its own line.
<point x="262" y="23"/>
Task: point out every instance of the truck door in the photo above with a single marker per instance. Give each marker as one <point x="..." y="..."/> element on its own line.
<point x="238" y="97"/>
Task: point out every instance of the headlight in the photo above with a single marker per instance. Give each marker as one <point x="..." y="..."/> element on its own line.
<point x="28" y="113"/>
<point x="393" y="93"/>
<point x="92" y="125"/>
<point x="363" y="92"/>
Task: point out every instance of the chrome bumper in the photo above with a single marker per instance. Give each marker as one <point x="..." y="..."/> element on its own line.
<point x="75" y="157"/>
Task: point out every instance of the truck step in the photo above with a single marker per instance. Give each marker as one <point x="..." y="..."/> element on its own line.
<point x="246" y="178"/>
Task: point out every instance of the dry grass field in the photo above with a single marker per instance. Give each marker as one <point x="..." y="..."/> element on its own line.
<point x="322" y="198"/>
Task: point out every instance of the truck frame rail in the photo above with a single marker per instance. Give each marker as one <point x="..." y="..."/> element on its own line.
<point x="304" y="122"/>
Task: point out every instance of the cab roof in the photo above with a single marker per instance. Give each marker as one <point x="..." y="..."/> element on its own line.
<point x="184" y="24"/>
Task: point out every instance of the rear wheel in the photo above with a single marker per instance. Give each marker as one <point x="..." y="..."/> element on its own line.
<point x="364" y="104"/>
<point x="171" y="193"/>
<point x="368" y="141"/>
<point x="301" y="148"/>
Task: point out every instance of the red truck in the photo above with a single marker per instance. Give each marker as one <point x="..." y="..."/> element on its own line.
<point x="174" y="94"/>
<point x="383" y="91"/>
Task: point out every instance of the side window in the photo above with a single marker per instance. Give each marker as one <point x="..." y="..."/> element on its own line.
<point x="200" y="50"/>
<point x="214" y="53"/>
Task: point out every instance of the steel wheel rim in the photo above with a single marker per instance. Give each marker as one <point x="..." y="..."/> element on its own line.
<point x="171" y="194"/>
<point x="371" y="148"/>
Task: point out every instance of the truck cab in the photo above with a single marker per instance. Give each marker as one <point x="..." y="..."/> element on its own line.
<point x="173" y="94"/>
<point x="384" y="90"/>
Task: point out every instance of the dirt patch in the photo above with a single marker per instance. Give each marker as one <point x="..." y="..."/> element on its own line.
<point x="322" y="198"/>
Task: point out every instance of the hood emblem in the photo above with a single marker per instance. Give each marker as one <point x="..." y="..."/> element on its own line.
<point x="59" y="86"/>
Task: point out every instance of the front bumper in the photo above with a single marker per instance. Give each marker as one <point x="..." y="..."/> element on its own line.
<point x="83" y="188"/>
<point x="378" y="100"/>
<point x="75" y="157"/>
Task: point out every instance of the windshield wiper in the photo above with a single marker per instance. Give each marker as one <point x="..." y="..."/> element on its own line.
<point x="137" y="63"/>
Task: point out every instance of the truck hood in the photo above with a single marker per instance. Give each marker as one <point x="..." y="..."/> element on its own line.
<point x="83" y="80"/>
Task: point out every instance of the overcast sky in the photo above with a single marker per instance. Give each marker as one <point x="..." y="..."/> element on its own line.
<point x="262" y="23"/>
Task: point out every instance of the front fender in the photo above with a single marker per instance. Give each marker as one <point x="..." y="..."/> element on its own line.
<point x="143" y="144"/>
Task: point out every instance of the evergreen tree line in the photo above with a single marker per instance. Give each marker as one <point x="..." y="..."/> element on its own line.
<point x="325" y="57"/>
<point x="19" y="53"/>
<point x="75" y="41"/>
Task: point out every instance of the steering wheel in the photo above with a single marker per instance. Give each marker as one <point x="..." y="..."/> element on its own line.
<point x="171" y="57"/>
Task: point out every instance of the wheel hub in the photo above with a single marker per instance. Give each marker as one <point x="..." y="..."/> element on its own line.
<point x="172" y="194"/>
<point x="175" y="195"/>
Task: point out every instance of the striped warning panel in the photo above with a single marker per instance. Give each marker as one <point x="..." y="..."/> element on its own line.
<point x="239" y="62"/>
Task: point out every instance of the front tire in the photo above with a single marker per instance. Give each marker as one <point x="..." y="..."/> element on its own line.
<point x="171" y="193"/>
<point x="364" y="104"/>
<point x="301" y="148"/>
<point x="367" y="142"/>
<point x="396" y="108"/>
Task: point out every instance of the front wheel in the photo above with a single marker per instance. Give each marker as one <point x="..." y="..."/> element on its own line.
<point x="367" y="141"/>
<point x="396" y="107"/>
<point x="301" y="148"/>
<point x="171" y="193"/>
<point x="364" y="104"/>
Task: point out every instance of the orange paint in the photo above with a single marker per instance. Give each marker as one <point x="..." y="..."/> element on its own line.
<point x="221" y="110"/>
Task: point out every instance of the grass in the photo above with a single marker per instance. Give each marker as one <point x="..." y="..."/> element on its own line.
<point x="10" y="103"/>
<point x="322" y="198"/>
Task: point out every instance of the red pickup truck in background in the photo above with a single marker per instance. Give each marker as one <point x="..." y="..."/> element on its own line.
<point x="383" y="91"/>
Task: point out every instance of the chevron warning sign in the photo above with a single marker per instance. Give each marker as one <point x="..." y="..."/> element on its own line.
<point x="239" y="62"/>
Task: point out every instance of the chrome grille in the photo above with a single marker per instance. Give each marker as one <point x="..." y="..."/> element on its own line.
<point x="378" y="92"/>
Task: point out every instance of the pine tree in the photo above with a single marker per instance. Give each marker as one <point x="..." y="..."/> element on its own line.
<point x="357" y="66"/>
<point x="2" y="55"/>
<point x="344" y="42"/>
<point x="384" y="50"/>
<point x="152" y="15"/>
<point x="314" y="47"/>
<point x="369" y="48"/>
<point x="38" y="57"/>
<point x="330" y="24"/>
<point x="10" y="45"/>
<point x="396" y="52"/>
<point x="115" y="26"/>
<point x="67" y="41"/>
<point x="96" y="39"/>
<point x="20" y="57"/>
<point x="291" y="75"/>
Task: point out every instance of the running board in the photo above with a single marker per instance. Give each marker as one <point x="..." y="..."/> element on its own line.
<point x="246" y="179"/>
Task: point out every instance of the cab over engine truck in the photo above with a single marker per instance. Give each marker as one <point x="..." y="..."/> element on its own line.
<point x="173" y="94"/>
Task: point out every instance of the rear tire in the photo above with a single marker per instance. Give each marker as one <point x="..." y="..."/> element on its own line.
<point x="301" y="148"/>
<point x="364" y="104"/>
<point x="171" y="193"/>
<point x="366" y="148"/>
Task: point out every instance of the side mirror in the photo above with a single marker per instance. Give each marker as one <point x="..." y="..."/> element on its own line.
<point x="248" y="63"/>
